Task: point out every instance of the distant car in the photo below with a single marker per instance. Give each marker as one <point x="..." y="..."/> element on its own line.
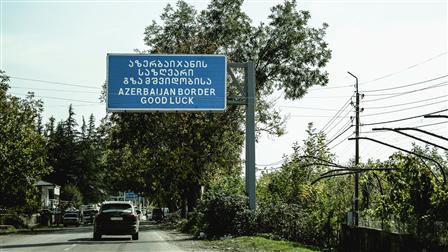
<point x="157" y="214"/>
<point x="116" y="218"/>
<point x="88" y="216"/>
<point x="71" y="218"/>
<point x="88" y="213"/>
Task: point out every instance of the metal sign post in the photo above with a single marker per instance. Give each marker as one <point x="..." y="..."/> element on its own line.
<point x="247" y="97"/>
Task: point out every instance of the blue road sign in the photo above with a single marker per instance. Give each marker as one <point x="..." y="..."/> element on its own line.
<point x="130" y="195"/>
<point x="153" y="82"/>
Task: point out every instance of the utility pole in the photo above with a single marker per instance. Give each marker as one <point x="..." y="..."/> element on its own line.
<point x="356" y="199"/>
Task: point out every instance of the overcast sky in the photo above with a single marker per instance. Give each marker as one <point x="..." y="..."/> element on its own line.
<point x="386" y="44"/>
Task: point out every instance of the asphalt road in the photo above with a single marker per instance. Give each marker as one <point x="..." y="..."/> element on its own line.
<point x="80" y="239"/>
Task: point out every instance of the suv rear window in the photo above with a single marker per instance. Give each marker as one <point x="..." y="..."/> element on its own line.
<point x="116" y="207"/>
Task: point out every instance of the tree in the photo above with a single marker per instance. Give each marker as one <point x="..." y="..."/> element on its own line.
<point x="89" y="156"/>
<point x="310" y="213"/>
<point x="22" y="148"/>
<point x="71" y="194"/>
<point x="180" y="152"/>
<point x="63" y="151"/>
<point x="414" y="195"/>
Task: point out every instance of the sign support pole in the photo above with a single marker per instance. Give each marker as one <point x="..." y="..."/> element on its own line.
<point x="250" y="134"/>
<point x="247" y="97"/>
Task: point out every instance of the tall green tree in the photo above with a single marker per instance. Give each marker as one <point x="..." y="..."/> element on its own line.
<point x="89" y="159"/>
<point x="22" y="148"/>
<point x="181" y="152"/>
<point x="62" y="151"/>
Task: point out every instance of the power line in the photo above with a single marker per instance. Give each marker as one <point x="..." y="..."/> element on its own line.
<point x="403" y="119"/>
<point x="335" y="87"/>
<point x="334" y="146"/>
<point x="403" y="86"/>
<point x="337" y="114"/>
<point x="53" y="82"/>
<point x="387" y="75"/>
<point x="335" y="125"/>
<point x="56" y="90"/>
<point x="399" y="110"/>
<point x="274" y="163"/>
<point x="73" y="105"/>
<point x="407" y="103"/>
<point x="340" y="134"/>
<point x="324" y="97"/>
<point x="405" y="69"/>
<point x="317" y="116"/>
<point x="310" y="108"/>
<point x="409" y="92"/>
<point x="431" y="124"/>
<point x="58" y="98"/>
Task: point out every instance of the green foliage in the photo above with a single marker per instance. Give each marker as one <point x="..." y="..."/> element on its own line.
<point x="294" y="208"/>
<point x="228" y="185"/>
<point x="291" y="222"/>
<point x="168" y="157"/>
<point x="71" y="194"/>
<point x="77" y="157"/>
<point x="414" y="196"/>
<point x="226" y="214"/>
<point x="22" y="149"/>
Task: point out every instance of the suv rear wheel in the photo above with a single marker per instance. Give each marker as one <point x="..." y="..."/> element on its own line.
<point x="135" y="236"/>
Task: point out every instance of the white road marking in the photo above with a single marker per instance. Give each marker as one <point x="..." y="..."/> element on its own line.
<point x="72" y="246"/>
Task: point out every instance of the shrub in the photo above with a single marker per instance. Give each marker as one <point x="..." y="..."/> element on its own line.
<point x="14" y="220"/>
<point x="245" y="222"/>
<point x="291" y="222"/>
<point x="221" y="214"/>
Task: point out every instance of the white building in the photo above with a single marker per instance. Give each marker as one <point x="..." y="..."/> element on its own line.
<point x="49" y="194"/>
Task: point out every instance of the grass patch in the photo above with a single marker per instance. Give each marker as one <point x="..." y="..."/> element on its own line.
<point x="257" y="243"/>
<point x="7" y="229"/>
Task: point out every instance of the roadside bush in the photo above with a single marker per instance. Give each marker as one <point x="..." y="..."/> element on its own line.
<point x="291" y="222"/>
<point x="245" y="222"/>
<point x="190" y="225"/>
<point x="221" y="214"/>
<point x="14" y="220"/>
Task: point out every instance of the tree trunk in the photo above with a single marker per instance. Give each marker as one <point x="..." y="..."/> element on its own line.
<point x="184" y="210"/>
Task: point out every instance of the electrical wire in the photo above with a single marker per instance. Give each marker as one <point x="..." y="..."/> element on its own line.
<point x="339" y="122"/>
<point x="403" y="86"/>
<point x="58" y="98"/>
<point x="274" y="163"/>
<point x="405" y="69"/>
<point x="346" y="124"/>
<point x="340" y="134"/>
<point x="55" y="90"/>
<point x="406" y="92"/>
<point x="335" y="87"/>
<point x="53" y="82"/>
<point x="387" y="75"/>
<point x="431" y="124"/>
<point x="407" y="103"/>
<point x="334" y="146"/>
<point x="317" y="116"/>
<point x="399" y="110"/>
<point x="337" y="114"/>
<point x="310" y="108"/>
<point x="404" y="119"/>
<point x="442" y="84"/>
